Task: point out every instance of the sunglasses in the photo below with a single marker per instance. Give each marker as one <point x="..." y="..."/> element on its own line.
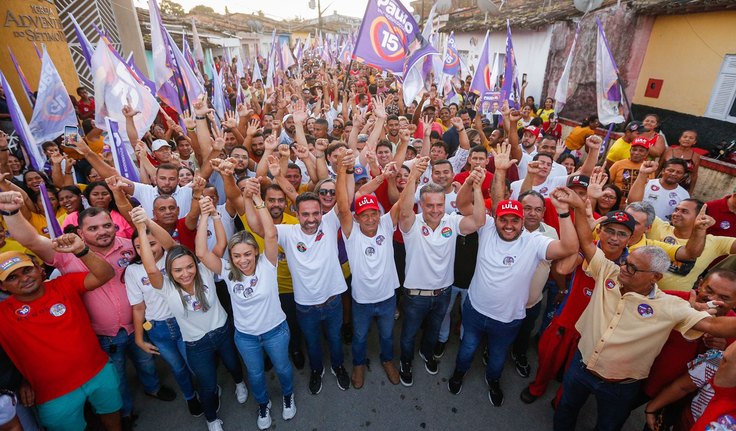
<point x="325" y="192"/>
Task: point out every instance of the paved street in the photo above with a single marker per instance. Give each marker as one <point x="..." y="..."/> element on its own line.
<point x="427" y="405"/>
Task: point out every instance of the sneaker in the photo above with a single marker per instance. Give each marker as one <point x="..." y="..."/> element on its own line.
<point x="347" y="333"/>
<point x="315" y="381"/>
<point x="405" y="374"/>
<point x="522" y="364"/>
<point x="527" y="397"/>
<point x="165" y="393"/>
<point x="439" y="349"/>
<point x="298" y="359"/>
<point x="495" y="394"/>
<point x="358" y="376"/>
<point x="430" y="364"/>
<point x="288" y="406"/>
<point x="195" y="407"/>
<point x="215" y="425"/>
<point x="264" y="416"/>
<point x="241" y="392"/>
<point x="391" y="372"/>
<point x="455" y="384"/>
<point x="343" y="380"/>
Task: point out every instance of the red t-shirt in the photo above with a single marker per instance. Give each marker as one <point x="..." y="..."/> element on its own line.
<point x="183" y="235"/>
<point x="723" y="403"/>
<point x="581" y="290"/>
<point x="725" y="219"/>
<point x="550" y="215"/>
<point x="86" y="109"/>
<point x="51" y="340"/>
<point x="486" y="186"/>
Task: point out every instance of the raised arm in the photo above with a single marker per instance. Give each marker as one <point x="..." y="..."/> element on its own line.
<point x="149" y="262"/>
<point x="94" y="159"/>
<point x="470" y="224"/>
<point x="503" y="161"/>
<point x="638" y="188"/>
<point x="593" y="144"/>
<point x="130" y="128"/>
<point x="343" y="199"/>
<point x="252" y="186"/>
<point x="568" y="242"/>
<point x="406" y="200"/>
<point x="21" y="230"/>
<point x="696" y="244"/>
<point x="138" y="216"/>
<point x="582" y="228"/>
<point x="100" y="272"/>
<point x="212" y="259"/>
<point x="270" y="237"/>
<point x="511" y="118"/>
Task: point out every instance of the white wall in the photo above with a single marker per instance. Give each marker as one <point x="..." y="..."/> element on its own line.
<point x="532" y="50"/>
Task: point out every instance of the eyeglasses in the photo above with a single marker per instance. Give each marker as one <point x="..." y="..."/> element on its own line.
<point x="608" y="197"/>
<point x="631" y="269"/>
<point x="338" y="126"/>
<point x="618" y="233"/>
<point x="325" y="192"/>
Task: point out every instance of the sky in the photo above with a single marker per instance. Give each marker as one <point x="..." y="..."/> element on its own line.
<point x="279" y="9"/>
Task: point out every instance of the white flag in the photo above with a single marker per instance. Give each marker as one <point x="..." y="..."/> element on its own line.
<point x="53" y="109"/>
<point x="564" y="82"/>
<point x="608" y="90"/>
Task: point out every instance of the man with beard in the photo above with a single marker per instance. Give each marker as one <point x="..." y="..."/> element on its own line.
<point x="392" y="132"/>
<point x="288" y="132"/>
<point x="109" y="310"/>
<point x="240" y="156"/>
<point x="663" y="193"/>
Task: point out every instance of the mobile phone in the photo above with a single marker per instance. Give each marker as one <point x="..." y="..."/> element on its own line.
<point x="70" y="135"/>
<point x="523" y="78"/>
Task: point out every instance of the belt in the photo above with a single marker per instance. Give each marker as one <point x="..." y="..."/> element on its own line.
<point x="599" y="377"/>
<point x="326" y="302"/>
<point x="425" y="292"/>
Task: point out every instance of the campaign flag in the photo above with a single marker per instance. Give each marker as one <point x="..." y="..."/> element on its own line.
<point x="139" y="76"/>
<point x="52" y="224"/>
<point x="189" y="80"/>
<point x="413" y="73"/>
<point x="239" y="67"/>
<point x="165" y="69"/>
<point x="120" y="153"/>
<point x="346" y="53"/>
<point x="388" y="37"/>
<point x="608" y="88"/>
<point x="23" y="80"/>
<point x="197" y="48"/>
<point x="561" y="91"/>
<point x="452" y="58"/>
<point x="84" y="43"/>
<point x="298" y="51"/>
<point x="256" y="75"/>
<point x="21" y="127"/>
<point x="510" y="89"/>
<point x="481" y="83"/>
<point x="53" y="109"/>
<point x="286" y="59"/>
<point x="191" y="61"/>
<point x="116" y="87"/>
<point x="218" y="93"/>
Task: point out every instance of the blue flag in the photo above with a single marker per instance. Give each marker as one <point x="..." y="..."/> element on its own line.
<point x="21" y="127"/>
<point x="53" y="109"/>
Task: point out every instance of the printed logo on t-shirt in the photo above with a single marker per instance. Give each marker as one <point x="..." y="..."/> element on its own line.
<point x="655" y="187"/>
<point x="425" y="180"/>
<point x="253" y="281"/>
<point x="645" y="310"/>
<point x="610" y="284"/>
<point x="425" y="231"/>
<point x="673" y="203"/>
<point x="145" y="281"/>
<point x="238" y="288"/>
<point x="588" y="292"/>
<point x="446" y="232"/>
<point x="301" y="247"/>
<point x="673" y="195"/>
<point x="23" y="311"/>
<point x="248" y="292"/>
<point x="543" y="190"/>
<point x="380" y="239"/>
<point x="370" y="251"/>
<point x="453" y="204"/>
<point x="319" y="236"/>
<point x="508" y="260"/>
<point x="670" y="240"/>
<point x="57" y="309"/>
<point x="281" y="257"/>
<point x="725" y="224"/>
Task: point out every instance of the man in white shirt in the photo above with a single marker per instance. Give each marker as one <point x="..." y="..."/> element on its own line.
<point x="663" y="193"/>
<point x="166" y="183"/>
<point x="442" y="175"/>
<point x="430" y="253"/>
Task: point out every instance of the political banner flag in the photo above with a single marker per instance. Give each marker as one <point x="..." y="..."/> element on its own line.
<point x="608" y="88"/>
<point x="510" y="89"/>
<point x="84" y="43"/>
<point x="561" y="91"/>
<point x="452" y="59"/>
<point x="21" y="126"/>
<point x="52" y="224"/>
<point x="120" y="152"/>
<point x="165" y="70"/>
<point x="198" y="52"/>
<point x="23" y="80"/>
<point x="481" y="83"/>
<point x="53" y="109"/>
<point x="139" y="76"/>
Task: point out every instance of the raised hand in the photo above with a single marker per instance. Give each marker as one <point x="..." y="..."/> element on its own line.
<point x="10" y="201"/>
<point x="68" y="243"/>
<point x="252" y="188"/>
<point x="271" y="142"/>
<point x="321" y="144"/>
<point x="390" y="170"/>
<point x="427" y="124"/>
<point x="301" y="151"/>
<point x="139" y="218"/>
<point x="198" y="184"/>
<point x="207" y="207"/>
<point x="189" y="122"/>
<point x="274" y="167"/>
<point x="129" y="112"/>
<point x="502" y="159"/>
<point x="230" y="121"/>
<point x="253" y="126"/>
<point x="200" y="107"/>
<point x="457" y="123"/>
<point x="379" y="109"/>
<point x="648" y="168"/>
<point x="420" y="165"/>
<point x="533" y="168"/>
<point x="561" y="199"/>
<point x="703" y="221"/>
<point x="595" y="188"/>
<point x="593" y="144"/>
<point x="115" y="182"/>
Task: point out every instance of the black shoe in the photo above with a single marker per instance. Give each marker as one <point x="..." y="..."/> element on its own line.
<point x="315" y="381"/>
<point x="347" y="333"/>
<point x="343" y="380"/>
<point x="164" y="394"/>
<point x="430" y="364"/>
<point x="195" y="407"/>
<point x="267" y="364"/>
<point x="522" y="364"/>
<point x="298" y="359"/>
<point x="527" y="397"/>
<point x="405" y="374"/>
<point x="439" y="350"/>
<point x="455" y="384"/>
<point x="485" y="356"/>
<point x="495" y="394"/>
<point x="127" y="423"/>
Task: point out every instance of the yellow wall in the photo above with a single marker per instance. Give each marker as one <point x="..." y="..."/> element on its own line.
<point x="686" y="51"/>
<point x="23" y="23"/>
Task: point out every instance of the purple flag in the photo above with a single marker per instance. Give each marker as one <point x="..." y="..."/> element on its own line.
<point x="452" y="59"/>
<point x="169" y="86"/>
<point x="84" y="44"/>
<point x="510" y="89"/>
<point x="481" y="83"/>
<point x="52" y="224"/>
<point x="23" y="80"/>
<point x="120" y="156"/>
<point x="608" y="91"/>
<point x="140" y="77"/>
<point x="21" y="126"/>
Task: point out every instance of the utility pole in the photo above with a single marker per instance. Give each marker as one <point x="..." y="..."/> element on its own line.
<point x="319" y="16"/>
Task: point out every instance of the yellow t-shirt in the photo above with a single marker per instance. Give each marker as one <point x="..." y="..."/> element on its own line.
<point x="620" y="150"/>
<point x="544" y="114"/>
<point x="623" y="174"/>
<point x="38" y="221"/>
<point x="291" y="206"/>
<point x="13" y="245"/>
<point x="682" y="275"/>
<point x="283" y="275"/>
<point x="670" y="249"/>
<point x="576" y="139"/>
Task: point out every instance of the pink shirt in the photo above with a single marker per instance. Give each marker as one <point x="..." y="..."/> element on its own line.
<point x="108" y="306"/>
<point x="124" y="229"/>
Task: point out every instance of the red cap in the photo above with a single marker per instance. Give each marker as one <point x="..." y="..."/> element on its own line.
<point x="509" y="207"/>
<point x="640" y="142"/>
<point x="533" y="130"/>
<point x="366" y="202"/>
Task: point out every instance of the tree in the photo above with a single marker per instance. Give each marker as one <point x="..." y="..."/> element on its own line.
<point x="202" y="9"/>
<point x="168" y="7"/>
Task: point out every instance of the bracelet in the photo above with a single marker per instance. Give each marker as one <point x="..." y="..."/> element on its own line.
<point x="261" y="205"/>
<point x="564" y="215"/>
<point x="192" y="129"/>
<point x="82" y="253"/>
<point x="4" y="149"/>
<point x="217" y="217"/>
<point x="350" y="171"/>
<point x="649" y="413"/>
<point x="9" y="213"/>
<point x="200" y="118"/>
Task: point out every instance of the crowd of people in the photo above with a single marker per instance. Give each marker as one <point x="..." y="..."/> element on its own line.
<point x="324" y="203"/>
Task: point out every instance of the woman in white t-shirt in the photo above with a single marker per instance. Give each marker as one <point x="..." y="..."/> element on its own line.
<point x="189" y="289"/>
<point x="259" y="320"/>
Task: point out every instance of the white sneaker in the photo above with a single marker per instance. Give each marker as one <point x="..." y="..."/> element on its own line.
<point x="264" y="416"/>
<point x="215" y="425"/>
<point x="289" y="407"/>
<point x="241" y="392"/>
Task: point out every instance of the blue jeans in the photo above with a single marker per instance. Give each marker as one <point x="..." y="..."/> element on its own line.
<point x="613" y="399"/>
<point x="311" y="318"/>
<point x="276" y="344"/>
<point x="500" y="336"/>
<point x="116" y="348"/>
<point x="202" y="357"/>
<point x="363" y="314"/>
<point x="445" y="328"/>
<point x="165" y="335"/>
<point x="416" y="309"/>
<point x="550" y="309"/>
